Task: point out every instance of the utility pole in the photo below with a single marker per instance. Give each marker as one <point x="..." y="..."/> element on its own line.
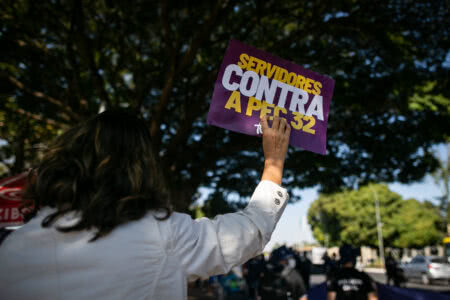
<point x="379" y="226"/>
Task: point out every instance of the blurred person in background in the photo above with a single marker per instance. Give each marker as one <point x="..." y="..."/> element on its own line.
<point x="347" y="283"/>
<point x="254" y="271"/>
<point x="392" y="270"/>
<point x="303" y="266"/>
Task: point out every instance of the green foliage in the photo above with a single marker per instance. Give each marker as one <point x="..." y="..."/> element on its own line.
<point x="425" y="99"/>
<point x="198" y="212"/>
<point x="441" y="177"/>
<point x="63" y="60"/>
<point x="349" y="217"/>
<point x="417" y="225"/>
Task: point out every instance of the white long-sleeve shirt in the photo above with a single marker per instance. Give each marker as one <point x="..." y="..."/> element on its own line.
<point x="144" y="259"/>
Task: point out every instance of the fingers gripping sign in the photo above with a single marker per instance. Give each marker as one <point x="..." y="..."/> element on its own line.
<point x="275" y="138"/>
<point x="275" y="146"/>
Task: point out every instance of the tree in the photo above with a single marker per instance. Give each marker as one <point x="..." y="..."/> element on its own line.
<point x="64" y="60"/>
<point x="417" y="225"/>
<point x="349" y="217"/>
<point x="441" y="177"/>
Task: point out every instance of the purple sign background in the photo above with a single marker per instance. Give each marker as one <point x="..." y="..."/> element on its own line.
<point x="301" y="127"/>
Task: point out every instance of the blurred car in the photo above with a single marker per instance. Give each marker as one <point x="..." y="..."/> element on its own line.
<point x="428" y="269"/>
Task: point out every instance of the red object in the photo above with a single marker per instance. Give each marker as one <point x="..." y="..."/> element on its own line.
<point x="11" y="189"/>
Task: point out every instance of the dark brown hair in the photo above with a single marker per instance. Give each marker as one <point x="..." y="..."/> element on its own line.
<point x="103" y="168"/>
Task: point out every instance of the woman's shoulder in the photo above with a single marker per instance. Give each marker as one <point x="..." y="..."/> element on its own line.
<point x="183" y="225"/>
<point x="181" y="220"/>
<point x="178" y="222"/>
<point x="173" y="217"/>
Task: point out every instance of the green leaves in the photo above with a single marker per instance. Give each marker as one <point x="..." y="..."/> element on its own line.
<point x="417" y="225"/>
<point x="425" y="99"/>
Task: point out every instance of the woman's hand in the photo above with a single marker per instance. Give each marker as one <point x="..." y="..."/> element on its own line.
<point x="275" y="145"/>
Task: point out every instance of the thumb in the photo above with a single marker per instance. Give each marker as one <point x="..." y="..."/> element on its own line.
<point x="264" y="123"/>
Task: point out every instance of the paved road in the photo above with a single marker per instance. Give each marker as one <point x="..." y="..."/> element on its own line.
<point x="439" y="287"/>
<point x="381" y="278"/>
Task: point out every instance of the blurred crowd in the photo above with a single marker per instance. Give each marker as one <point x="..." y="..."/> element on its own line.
<point x="284" y="274"/>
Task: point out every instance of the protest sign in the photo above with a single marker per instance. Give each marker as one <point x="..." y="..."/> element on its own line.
<point x="252" y="83"/>
<point x="10" y="199"/>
